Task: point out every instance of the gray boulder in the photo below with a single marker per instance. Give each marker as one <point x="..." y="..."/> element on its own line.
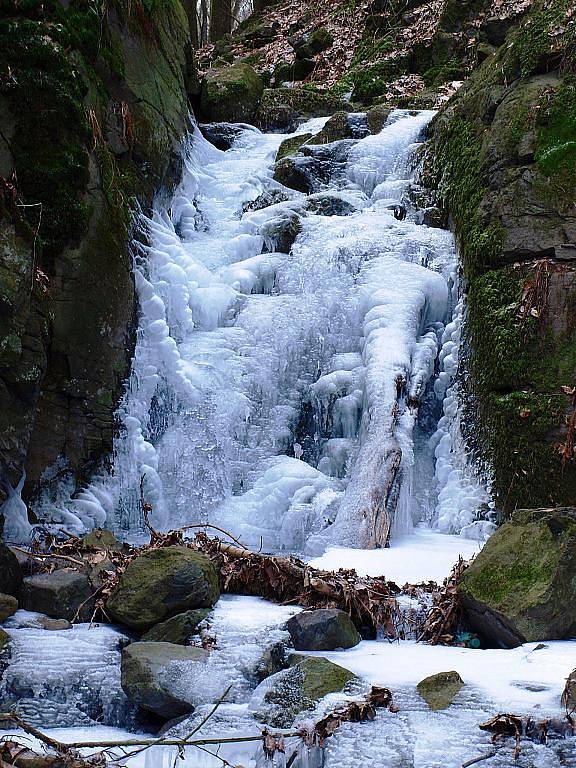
<point x="280" y="232"/>
<point x="64" y="594"/>
<point x="322" y="630"/>
<point x="178" y="629"/>
<point x="143" y="668"/>
<point x="8" y="606"/>
<point x="10" y="572"/>
<point x="162" y="583"/>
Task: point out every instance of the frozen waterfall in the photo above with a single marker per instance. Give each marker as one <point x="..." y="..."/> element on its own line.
<point x="286" y="343"/>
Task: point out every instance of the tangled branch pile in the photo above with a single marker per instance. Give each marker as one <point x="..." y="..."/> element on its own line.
<point x="370" y="602"/>
<point x="505" y="726"/>
<point x="442" y="621"/>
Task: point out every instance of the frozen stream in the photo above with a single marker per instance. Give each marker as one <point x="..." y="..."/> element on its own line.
<point x="294" y="382"/>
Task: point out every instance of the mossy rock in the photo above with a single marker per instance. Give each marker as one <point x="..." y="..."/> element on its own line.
<point x="292" y="174"/>
<point x="522" y="584"/>
<point x="178" y="629"/>
<point x="286" y="694"/>
<point x="440" y="690"/>
<point x="324" y="629"/>
<point x="292" y="145"/>
<point x="279" y="107"/>
<point x="101" y="539"/>
<point x="231" y="94"/>
<point x="335" y="129"/>
<point x="377" y="116"/>
<point x="161" y="583"/>
<point x="293" y="71"/>
<point x="4" y="641"/>
<point x="10" y="571"/>
<point x="8" y="606"/>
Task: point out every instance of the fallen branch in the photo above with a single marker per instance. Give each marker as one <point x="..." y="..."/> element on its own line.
<point x="506" y="725"/>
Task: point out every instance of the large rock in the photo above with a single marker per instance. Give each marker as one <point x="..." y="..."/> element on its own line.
<point x="439" y="691"/>
<point x="178" y="629"/>
<point x="281" y="232"/>
<point x="102" y="540"/>
<point x="4" y="640"/>
<point x="322" y="630"/>
<point x="336" y="128"/>
<point x="64" y="594"/>
<point x="161" y="583"/>
<point x="143" y="667"/>
<point x="8" y="606"/>
<point x="10" y="572"/>
<point x="522" y="585"/>
<point x="292" y="173"/>
<point x="285" y="694"/>
<point x="231" y="94"/>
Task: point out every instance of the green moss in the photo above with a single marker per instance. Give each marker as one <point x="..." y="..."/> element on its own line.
<point x="443" y="73"/>
<point x="556" y="152"/>
<point x="371" y="80"/>
<point x="535" y="45"/>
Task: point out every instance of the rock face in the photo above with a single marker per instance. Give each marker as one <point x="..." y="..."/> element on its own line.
<point x="93" y="118"/>
<point x="322" y="630"/>
<point x="281" y="697"/>
<point x="10" y="572"/>
<point x="569" y="695"/>
<point x="178" y="629"/>
<point x="439" y="690"/>
<point x="522" y="584"/>
<point x="230" y="94"/>
<point x="162" y="583"/>
<point x="64" y="594"/>
<point x="143" y="665"/>
<point x="8" y="606"/>
<point x="502" y="159"/>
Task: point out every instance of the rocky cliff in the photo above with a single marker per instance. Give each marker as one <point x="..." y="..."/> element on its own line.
<point x="503" y="160"/>
<point x="93" y="110"/>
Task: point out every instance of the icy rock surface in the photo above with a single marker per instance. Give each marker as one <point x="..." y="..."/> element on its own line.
<point x="64" y="677"/>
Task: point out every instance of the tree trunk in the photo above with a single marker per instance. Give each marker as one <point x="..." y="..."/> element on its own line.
<point x="220" y="19"/>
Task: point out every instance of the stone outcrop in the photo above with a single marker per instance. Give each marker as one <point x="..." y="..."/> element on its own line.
<point x="162" y="583"/>
<point x="143" y="669"/>
<point x="324" y="629"/>
<point x="92" y="117"/>
<point x="522" y="585"/>
<point x="502" y="159"/>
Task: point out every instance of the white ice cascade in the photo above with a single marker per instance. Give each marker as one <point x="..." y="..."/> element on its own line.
<point x="283" y="350"/>
<point x="464" y="504"/>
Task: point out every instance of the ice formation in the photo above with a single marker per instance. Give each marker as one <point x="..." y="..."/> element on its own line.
<point x="283" y="353"/>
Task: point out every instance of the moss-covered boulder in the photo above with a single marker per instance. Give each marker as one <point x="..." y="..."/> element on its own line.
<point x="280" y="698"/>
<point x="522" y="585"/>
<point x="8" y="606"/>
<point x="101" y="539"/>
<point x="231" y="94"/>
<point x="145" y="676"/>
<point x="336" y="128"/>
<point x="292" y="145"/>
<point x="440" y="690"/>
<point x="4" y="640"/>
<point x="280" y="107"/>
<point x="377" y="117"/>
<point x="162" y="583"/>
<point x="177" y="629"/>
<point x="325" y="629"/>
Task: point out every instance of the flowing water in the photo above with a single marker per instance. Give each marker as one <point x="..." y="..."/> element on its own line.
<point x="295" y="383"/>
